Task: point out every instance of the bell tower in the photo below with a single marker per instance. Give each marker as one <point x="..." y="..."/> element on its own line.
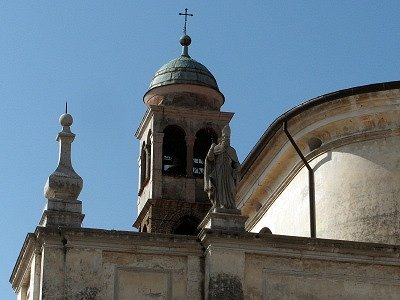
<point x="183" y="118"/>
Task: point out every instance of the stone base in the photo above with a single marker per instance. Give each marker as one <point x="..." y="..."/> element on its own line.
<point x="73" y="206"/>
<point x="224" y="219"/>
<point x="66" y="213"/>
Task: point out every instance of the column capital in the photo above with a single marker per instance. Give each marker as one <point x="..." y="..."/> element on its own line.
<point x="190" y="139"/>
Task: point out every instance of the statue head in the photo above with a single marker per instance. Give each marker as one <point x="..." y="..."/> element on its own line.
<point x="226" y="136"/>
<point x="226" y="132"/>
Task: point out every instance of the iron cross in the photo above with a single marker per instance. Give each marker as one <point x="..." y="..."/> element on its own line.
<point x="186" y="15"/>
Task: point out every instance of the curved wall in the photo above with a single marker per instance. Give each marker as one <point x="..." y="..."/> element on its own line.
<point x="357" y="195"/>
<point x="357" y="172"/>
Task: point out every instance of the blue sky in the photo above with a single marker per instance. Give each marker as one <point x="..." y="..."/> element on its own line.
<point x="100" y="56"/>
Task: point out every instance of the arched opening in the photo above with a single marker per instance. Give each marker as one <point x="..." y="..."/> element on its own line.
<point x="144" y="228"/>
<point x="204" y="139"/>
<point x="143" y="167"/>
<point x="148" y="156"/>
<point x="174" y="151"/>
<point x="187" y="225"/>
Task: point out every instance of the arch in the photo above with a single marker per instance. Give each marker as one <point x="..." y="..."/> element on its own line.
<point x="148" y="155"/>
<point x="186" y="225"/>
<point x="204" y="138"/>
<point x="143" y="165"/>
<point x="174" y="151"/>
<point x="144" y="229"/>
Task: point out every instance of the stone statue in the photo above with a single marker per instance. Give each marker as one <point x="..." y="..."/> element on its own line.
<point x="222" y="171"/>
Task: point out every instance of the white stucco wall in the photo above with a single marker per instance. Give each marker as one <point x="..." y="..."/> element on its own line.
<point x="357" y="195"/>
<point x="356" y="165"/>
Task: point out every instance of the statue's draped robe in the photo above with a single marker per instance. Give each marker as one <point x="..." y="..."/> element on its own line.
<point x="221" y="175"/>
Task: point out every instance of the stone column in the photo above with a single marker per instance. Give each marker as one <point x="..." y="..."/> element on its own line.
<point x="190" y="139"/>
<point x="190" y="181"/>
<point x="35" y="274"/>
<point x="148" y="161"/>
<point x="156" y="164"/>
<point x="139" y="163"/>
<point x="21" y="294"/>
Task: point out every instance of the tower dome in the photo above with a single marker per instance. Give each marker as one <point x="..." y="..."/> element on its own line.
<point x="184" y="70"/>
<point x="184" y="82"/>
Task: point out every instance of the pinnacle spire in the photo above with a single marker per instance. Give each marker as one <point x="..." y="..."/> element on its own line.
<point x="64" y="184"/>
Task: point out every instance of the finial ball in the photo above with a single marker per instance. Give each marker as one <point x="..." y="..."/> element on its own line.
<point x="66" y="120"/>
<point x="185" y="40"/>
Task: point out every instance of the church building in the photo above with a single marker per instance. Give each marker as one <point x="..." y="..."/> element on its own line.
<point x="317" y="205"/>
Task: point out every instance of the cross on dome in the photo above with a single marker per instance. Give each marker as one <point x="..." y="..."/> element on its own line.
<point x="186" y="15"/>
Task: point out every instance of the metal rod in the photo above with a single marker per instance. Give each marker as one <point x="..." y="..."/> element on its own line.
<point x="311" y="182"/>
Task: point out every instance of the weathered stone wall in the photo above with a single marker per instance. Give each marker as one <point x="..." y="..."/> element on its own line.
<point x="100" y="274"/>
<point x="266" y="266"/>
<point x="269" y="277"/>
<point x="88" y="264"/>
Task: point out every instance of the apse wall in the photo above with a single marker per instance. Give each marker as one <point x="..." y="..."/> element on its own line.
<point x="352" y="144"/>
<point x="357" y="190"/>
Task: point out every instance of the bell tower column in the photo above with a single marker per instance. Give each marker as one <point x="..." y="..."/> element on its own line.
<point x="157" y="164"/>
<point x="189" y="155"/>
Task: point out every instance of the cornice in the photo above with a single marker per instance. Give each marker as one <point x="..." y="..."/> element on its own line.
<point x="307" y="105"/>
<point x="120" y="241"/>
<point x="143" y="124"/>
<point x="300" y="247"/>
<point x="22" y="264"/>
<point x="192" y="113"/>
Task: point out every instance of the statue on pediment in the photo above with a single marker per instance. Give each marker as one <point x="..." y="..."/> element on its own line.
<point x="222" y="172"/>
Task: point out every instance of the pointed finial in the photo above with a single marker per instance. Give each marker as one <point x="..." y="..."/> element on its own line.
<point x="64" y="185"/>
<point x="66" y="107"/>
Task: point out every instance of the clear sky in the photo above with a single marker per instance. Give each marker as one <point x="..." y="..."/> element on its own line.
<point x="100" y="56"/>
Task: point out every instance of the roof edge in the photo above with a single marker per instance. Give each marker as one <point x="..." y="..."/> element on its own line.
<point x="277" y="123"/>
<point x="26" y="249"/>
<point x="188" y="84"/>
